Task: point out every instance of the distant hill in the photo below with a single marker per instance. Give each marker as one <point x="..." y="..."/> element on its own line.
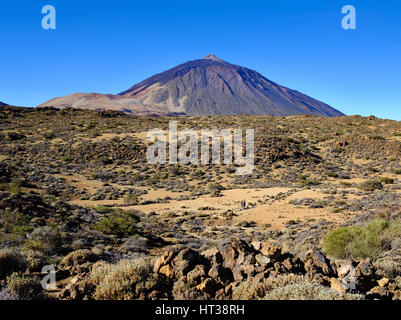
<point x="208" y="86"/>
<point x="3" y="104"/>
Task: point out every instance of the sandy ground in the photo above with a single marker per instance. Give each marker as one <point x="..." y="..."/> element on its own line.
<point x="162" y="194"/>
<point x="97" y="203"/>
<point x="231" y="200"/>
<point x="260" y="205"/>
<point x="278" y="214"/>
<point x="80" y="182"/>
<point x="109" y="136"/>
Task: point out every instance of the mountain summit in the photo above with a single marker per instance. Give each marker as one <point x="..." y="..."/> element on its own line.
<point x="208" y="86"/>
<point x="212" y="57"/>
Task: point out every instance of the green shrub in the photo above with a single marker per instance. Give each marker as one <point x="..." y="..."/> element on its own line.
<point x="305" y="182"/>
<point x="336" y="242"/>
<point x="94" y="176"/>
<point x="370" y="185"/>
<point x="387" y="180"/>
<point x="35" y="245"/>
<point x="368" y="241"/>
<point x="331" y="174"/>
<point x="49" y="135"/>
<point x="15" y="189"/>
<point x="360" y="242"/>
<point x="23" y="230"/>
<point x="127" y="280"/>
<point x="15" y="222"/>
<point x="119" y="223"/>
<point x="66" y="159"/>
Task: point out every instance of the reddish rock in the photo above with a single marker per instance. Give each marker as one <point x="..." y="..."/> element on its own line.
<point x="185" y="261"/>
<point x="165" y="259"/>
<point x="239" y="257"/>
<point x="208" y="286"/>
<point x="336" y="285"/>
<point x="316" y="262"/>
<point x="270" y="251"/>
<point x="198" y="274"/>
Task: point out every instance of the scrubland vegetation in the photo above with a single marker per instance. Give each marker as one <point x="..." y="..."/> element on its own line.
<point x="321" y="208"/>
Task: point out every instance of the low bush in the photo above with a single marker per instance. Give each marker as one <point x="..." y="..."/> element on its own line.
<point x="10" y="261"/>
<point x="336" y="242"/>
<point x="127" y="280"/>
<point x="34" y="245"/>
<point x="15" y="136"/>
<point x="45" y="239"/>
<point x="304" y="181"/>
<point x="308" y="291"/>
<point x="215" y="188"/>
<point x="389" y="264"/>
<point x="35" y="260"/>
<point x="253" y="289"/>
<point x="377" y="137"/>
<point x="371" y="185"/>
<point x="79" y="257"/>
<point x="131" y="200"/>
<point x="182" y="290"/>
<point x="25" y="288"/>
<point x="15" y="222"/>
<point x="360" y="242"/>
<point x="387" y="180"/>
<point x="49" y="135"/>
<point x="119" y="223"/>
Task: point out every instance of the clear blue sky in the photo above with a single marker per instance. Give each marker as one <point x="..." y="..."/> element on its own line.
<point x="108" y="46"/>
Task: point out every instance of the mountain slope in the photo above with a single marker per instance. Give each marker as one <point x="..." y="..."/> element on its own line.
<point x="97" y="101"/>
<point x="208" y="86"/>
<point x="3" y="104"/>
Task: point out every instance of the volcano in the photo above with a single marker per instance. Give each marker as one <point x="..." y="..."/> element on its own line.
<point x="208" y="86"/>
